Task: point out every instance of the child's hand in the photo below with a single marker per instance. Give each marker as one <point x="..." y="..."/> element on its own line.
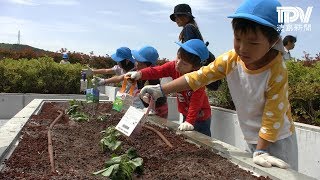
<point x="154" y="91"/>
<point x="88" y="71"/>
<point x="134" y="75"/>
<point x="98" y="81"/>
<point x="185" y="126"/>
<point x="264" y="159"/>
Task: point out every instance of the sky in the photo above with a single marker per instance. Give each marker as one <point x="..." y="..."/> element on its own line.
<point x="102" y="26"/>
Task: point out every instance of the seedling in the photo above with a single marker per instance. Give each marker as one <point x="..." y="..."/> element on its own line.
<point x="104" y="117"/>
<point x="110" y="139"/>
<point x="123" y="166"/>
<point x="74" y="111"/>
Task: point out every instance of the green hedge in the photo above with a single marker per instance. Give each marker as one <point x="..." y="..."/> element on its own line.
<point x="41" y="75"/>
<point x="304" y="92"/>
<point x="44" y="75"/>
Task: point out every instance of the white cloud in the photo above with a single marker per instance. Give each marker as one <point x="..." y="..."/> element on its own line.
<point x="24" y="2"/>
<point x="50" y="2"/>
<point x="106" y="12"/>
<point x="123" y="27"/>
<point x="199" y="5"/>
<point x="157" y="13"/>
<point x="11" y="24"/>
<point x="62" y="2"/>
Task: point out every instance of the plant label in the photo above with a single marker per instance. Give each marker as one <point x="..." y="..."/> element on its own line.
<point x="130" y="120"/>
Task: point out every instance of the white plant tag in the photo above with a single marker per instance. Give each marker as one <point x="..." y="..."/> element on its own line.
<point x="130" y="120"/>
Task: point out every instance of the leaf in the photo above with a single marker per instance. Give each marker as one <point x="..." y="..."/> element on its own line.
<point x="111" y="170"/>
<point x="132" y="153"/>
<point x="112" y="161"/>
<point x="100" y="171"/>
<point x="137" y="162"/>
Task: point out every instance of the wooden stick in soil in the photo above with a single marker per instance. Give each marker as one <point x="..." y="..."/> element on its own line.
<point x="165" y="140"/>
<point x="50" y="147"/>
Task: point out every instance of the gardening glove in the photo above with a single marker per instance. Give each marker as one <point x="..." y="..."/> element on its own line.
<point x="98" y="81"/>
<point x="185" y="126"/>
<point x="155" y="91"/>
<point x="134" y="75"/>
<point x="88" y="71"/>
<point x="263" y="158"/>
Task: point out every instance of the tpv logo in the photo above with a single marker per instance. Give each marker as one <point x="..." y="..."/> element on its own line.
<point x="292" y="14"/>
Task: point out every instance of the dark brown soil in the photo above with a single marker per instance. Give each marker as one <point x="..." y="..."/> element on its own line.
<point x="77" y="152"/>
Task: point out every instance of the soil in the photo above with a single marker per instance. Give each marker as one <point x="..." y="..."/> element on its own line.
<point x="77" y="153"/>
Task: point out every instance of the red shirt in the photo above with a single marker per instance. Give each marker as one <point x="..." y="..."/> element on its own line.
<point x="194" y="105"/>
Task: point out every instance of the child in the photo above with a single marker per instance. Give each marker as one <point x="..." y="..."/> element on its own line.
<point x="65" y="59"/>
<point x="145" y="57"/>
<point x="124" y="60"/>
<point x="257" y="79"/>
<point x="193" y="105"/>
<point x="182" y="15"/>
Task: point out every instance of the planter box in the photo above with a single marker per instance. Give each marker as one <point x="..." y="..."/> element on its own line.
<point x="12" y="103"/>
<point x="10" y="131"/>
<point x="225" y="127"/>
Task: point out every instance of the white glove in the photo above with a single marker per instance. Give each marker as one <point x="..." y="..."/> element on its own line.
<point x="98" y="81"/>
<point x="134" y="75"/>
<point x="185" y="126"/>
<point x="88" y="71"/>
<point x="264" y="159"/>
<point x="155" y="91"/>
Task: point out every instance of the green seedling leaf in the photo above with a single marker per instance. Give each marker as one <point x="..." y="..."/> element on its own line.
<point x="109" y="141"/>
<point x="80" y="117"/>
<point x="123" y="166"/>
<point x="137" y="162"/>
<point x="104" y="117"/>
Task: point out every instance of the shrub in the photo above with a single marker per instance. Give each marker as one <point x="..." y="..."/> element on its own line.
<point x="304" y="91"/>
<point x="41" y="75"/>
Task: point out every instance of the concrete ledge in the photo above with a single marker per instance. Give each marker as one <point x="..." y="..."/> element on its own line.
<point x="10" y="131"/>
<point x="11" y="103"/>
<point x="235" y="155"/>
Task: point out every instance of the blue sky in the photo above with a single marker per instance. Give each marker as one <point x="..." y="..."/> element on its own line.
<point x="102" y="26"/>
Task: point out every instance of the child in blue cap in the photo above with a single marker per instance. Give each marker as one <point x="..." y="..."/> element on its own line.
<point x="124" y="60"/>
<point x="147" y="56"/>
<point x="258" y="82"/>
<point x="194" y="105"/>
<point x="65" y="59"/>
<point x="144" y="57"/>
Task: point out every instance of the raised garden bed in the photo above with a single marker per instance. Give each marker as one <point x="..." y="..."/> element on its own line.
<point x="77" y="152"/>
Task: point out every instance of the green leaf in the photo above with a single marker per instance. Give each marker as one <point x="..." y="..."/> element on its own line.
<point x="112" y="161"/>
<point x="132" y="153"/>
<point x="137" y="162"/>
<point x="111" y="170"/>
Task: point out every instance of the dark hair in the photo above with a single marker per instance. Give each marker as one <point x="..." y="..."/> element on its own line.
<point x="190" y="58"/>
<point x="126" y="65"/>
<point x="191" y="21"/>
<point x="289" y="38"/>
<point x="146" y="63"/>
<point x="244" y="26"/>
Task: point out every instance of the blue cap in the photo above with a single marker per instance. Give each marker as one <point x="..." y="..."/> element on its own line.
<point x="146" y="54"/>
<point x="263" y="12"/>
<point x="122" y="53"/>
<point x="196" y="47"/>
<point x="65" y="56"/>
